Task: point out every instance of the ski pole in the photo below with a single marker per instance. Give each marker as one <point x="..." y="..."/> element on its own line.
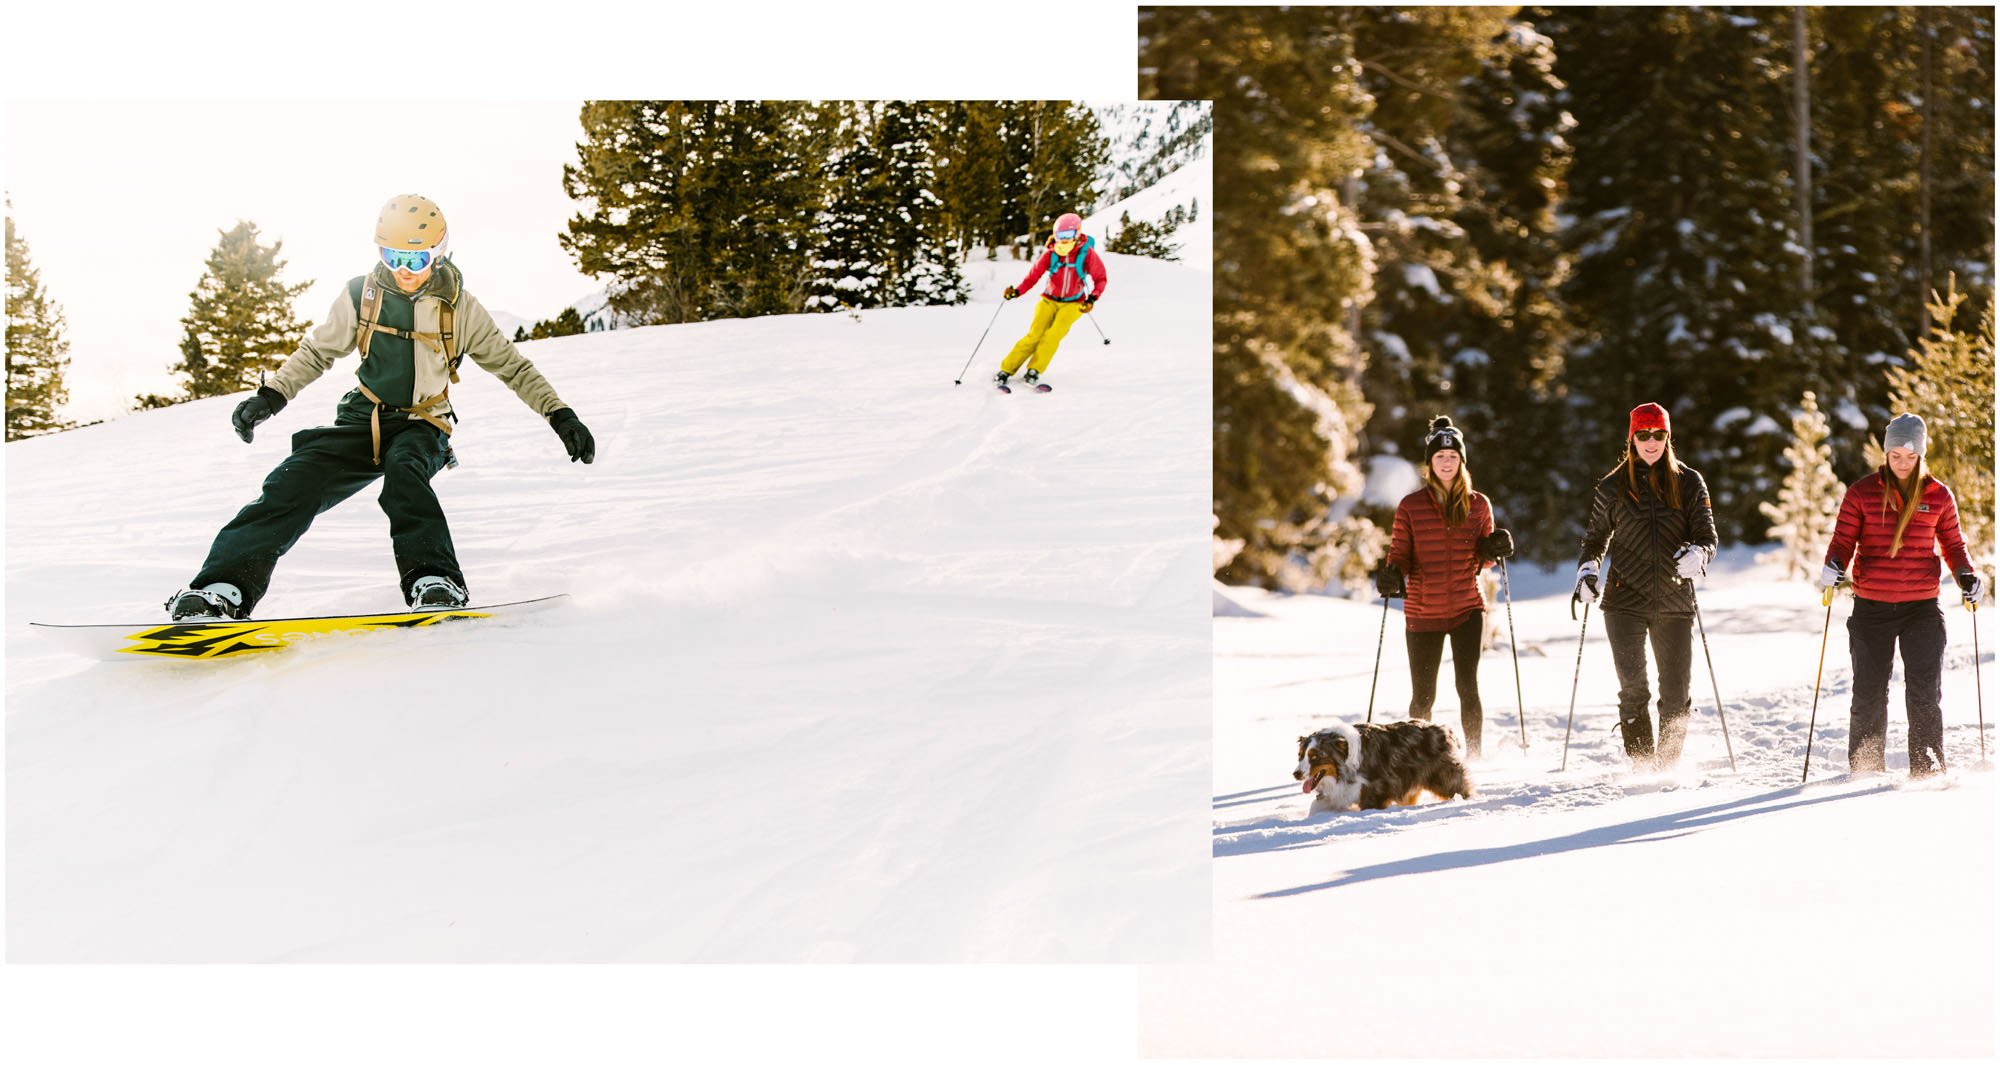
<point x="1724" y="718"/>
<point x="982" y="340"/>
<point x="1813" y="721"/>
<point x="1379" y="637"/>
<point x="1099" y="328"/>
<point x="1978" y="689"/>
<point x="1507" y="592"/>
<point x="1573" y="684"/>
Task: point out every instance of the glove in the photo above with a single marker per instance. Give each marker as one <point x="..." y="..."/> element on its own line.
<point x="575" y="438"/>
<point x="1010" y="293"/>
<point x="1086" y="305"/>
<point x="1971" y="585"/>
<point x="256" y="410"/>
<point x="1586" y="585"/>
<point x="1829" y="578"/>
<point x="1496" y="545"/>
<point x="1690" y="561"/>
<point x="1389" y="581"/>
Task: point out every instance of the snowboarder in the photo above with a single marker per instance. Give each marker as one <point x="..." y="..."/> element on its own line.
<point x="412" y="321"/>
<point x="1443" y="537"/>
<point x="1066" y="257"/>
<point x="1654" y="514"/>
<point x="1893" y="525"/>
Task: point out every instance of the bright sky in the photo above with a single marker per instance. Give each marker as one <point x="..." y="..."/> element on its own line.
<point x="121" y="203"/>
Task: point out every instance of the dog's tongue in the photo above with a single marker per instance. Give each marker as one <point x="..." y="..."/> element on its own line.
<point x="1312" y="781"/>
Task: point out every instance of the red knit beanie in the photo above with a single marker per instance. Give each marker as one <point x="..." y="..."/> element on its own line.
<point x="1647" y="416"/>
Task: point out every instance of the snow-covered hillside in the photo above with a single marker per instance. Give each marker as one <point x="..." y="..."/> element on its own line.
<point x="1591" y="912"/>
<point x="1187" y="187"/>
<point x="861" y="666"/>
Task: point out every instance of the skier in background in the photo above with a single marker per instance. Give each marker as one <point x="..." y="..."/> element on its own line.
<point x="1066" y="257"/>
<point x="1893" y="525"/>
<point x="1654" y="515"/>
<point x="412" y="320"/>
<point x="1443" y="537"/>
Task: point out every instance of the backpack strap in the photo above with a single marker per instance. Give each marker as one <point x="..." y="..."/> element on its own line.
<point x="368" y="308"/>
<point x="421" y="410"/>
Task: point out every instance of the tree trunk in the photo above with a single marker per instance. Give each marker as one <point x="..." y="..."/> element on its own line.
<point x="1927" y="32"/>
<point x="1802" y="168"/>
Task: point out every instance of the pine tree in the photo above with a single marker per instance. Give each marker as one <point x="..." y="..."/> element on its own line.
<point x="924" y="259"/>
<point x="1154" y="240"/>
<point x="37" y="350"/>
<point x="239" y="322"/>
<point x="1809" y="500"/>
<point x="1685" y="289"/>
<point x="1949" y="382"/>
<point x="1289" y="264"/>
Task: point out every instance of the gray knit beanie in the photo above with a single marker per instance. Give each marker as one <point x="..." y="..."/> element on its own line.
<point x="1905" y="430"/>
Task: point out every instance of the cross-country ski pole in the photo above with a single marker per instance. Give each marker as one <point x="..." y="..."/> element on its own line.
<point x="1573" y="684"/>
<point x="1099" y="328"/>
<point x="1813" y="721"/>
<point x="982" y="340"/>
<point x="1507" y="591"/>
<point x="1717" y="688"/>
<point x="1379" y="637"/>
<point x="1978" y="688"/>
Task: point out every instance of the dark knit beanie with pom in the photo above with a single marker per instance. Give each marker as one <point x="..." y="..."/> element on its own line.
<point x="1443" y="436"/>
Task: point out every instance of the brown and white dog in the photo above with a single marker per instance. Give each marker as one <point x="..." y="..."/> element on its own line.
<point x="1373" y="766"/>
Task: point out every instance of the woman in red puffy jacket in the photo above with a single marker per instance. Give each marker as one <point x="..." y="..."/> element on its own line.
<point x="1894" y="524"/>
<point x="1443" y="537"/>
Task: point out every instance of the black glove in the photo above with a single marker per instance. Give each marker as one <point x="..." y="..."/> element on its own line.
<point x="256" y="410"/>
<point x="1496" y="545"/>
<point x="1087" y="305"/>
<point x="1970" y="584"/>
<point x="1389" y="581"/>
<point x="576" y="439"/>
<point x="1010" y="293"/>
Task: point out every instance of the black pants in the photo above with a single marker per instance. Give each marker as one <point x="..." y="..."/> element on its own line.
<point x="1873" y="632"/>
<point x="327" y="466"/>
<point x="1671" y="639"/>
<point x="1425" y="650"/>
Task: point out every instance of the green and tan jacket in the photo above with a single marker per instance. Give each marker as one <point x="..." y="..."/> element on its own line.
<point x="402" y="372"/>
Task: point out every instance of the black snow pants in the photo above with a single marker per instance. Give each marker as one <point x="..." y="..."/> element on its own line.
<point x="1671" y="639"/>
<point x="326" y="466"/>
<point x="1426" y="648"/>
<point x="1873" y="631"/>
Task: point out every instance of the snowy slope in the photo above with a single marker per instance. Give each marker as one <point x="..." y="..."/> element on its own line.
<point x="1187" y="186"/>
<point x="861" y="666"/>
<point x="1590" y="912"/>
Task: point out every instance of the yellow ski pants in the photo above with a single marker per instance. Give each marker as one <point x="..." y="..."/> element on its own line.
<point x="1051" y="324"/>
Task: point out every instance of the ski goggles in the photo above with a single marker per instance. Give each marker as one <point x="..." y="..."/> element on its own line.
<point x="1650" y="435"/>
<point x="415" y="260"/>
<point x="1065" y="234"/>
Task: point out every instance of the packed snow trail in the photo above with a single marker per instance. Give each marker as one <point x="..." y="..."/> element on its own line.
<point x="1591" y="911"/>
<point x="860" y="666"/>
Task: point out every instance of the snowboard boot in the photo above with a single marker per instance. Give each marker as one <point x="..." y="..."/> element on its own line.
<point x="436" y="593"/>
<point x="1034" y="380"/>
<point x="214" y="601"/>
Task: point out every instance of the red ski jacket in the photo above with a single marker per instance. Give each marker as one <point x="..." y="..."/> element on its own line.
<point x="1066" y="275"/>
<point x="1440" y="563"/>
<point x="1867" y="524"/>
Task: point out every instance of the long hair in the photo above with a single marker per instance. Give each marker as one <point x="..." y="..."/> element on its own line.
<point x="1665" y="475"/>
<point x="1454" y="499"/>
<point x="1911" y="493"/>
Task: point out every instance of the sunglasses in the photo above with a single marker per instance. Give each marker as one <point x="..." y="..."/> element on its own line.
<point x="1650" y="434"/>
<point x="415" y="261"/>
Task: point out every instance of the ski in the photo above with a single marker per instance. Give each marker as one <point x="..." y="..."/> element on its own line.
<point x="214" y="638"/>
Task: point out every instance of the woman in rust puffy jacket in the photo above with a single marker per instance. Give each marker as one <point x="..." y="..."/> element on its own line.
<point x="1893" y="526"/>
<point x="1443" y="537"/>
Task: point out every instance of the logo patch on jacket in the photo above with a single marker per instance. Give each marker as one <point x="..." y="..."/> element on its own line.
<point x="1923" y="508"/>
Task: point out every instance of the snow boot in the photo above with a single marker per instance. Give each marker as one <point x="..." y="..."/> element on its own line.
<point x="436" y="593"/>
<point x="213" y="601"/>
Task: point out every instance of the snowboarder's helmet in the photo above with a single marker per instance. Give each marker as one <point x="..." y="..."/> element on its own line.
<point x="1068" y="227"/>
<point x="410" y="222"/>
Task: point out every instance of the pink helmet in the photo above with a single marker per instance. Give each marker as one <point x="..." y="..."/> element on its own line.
<point x="1069" y="224"/>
